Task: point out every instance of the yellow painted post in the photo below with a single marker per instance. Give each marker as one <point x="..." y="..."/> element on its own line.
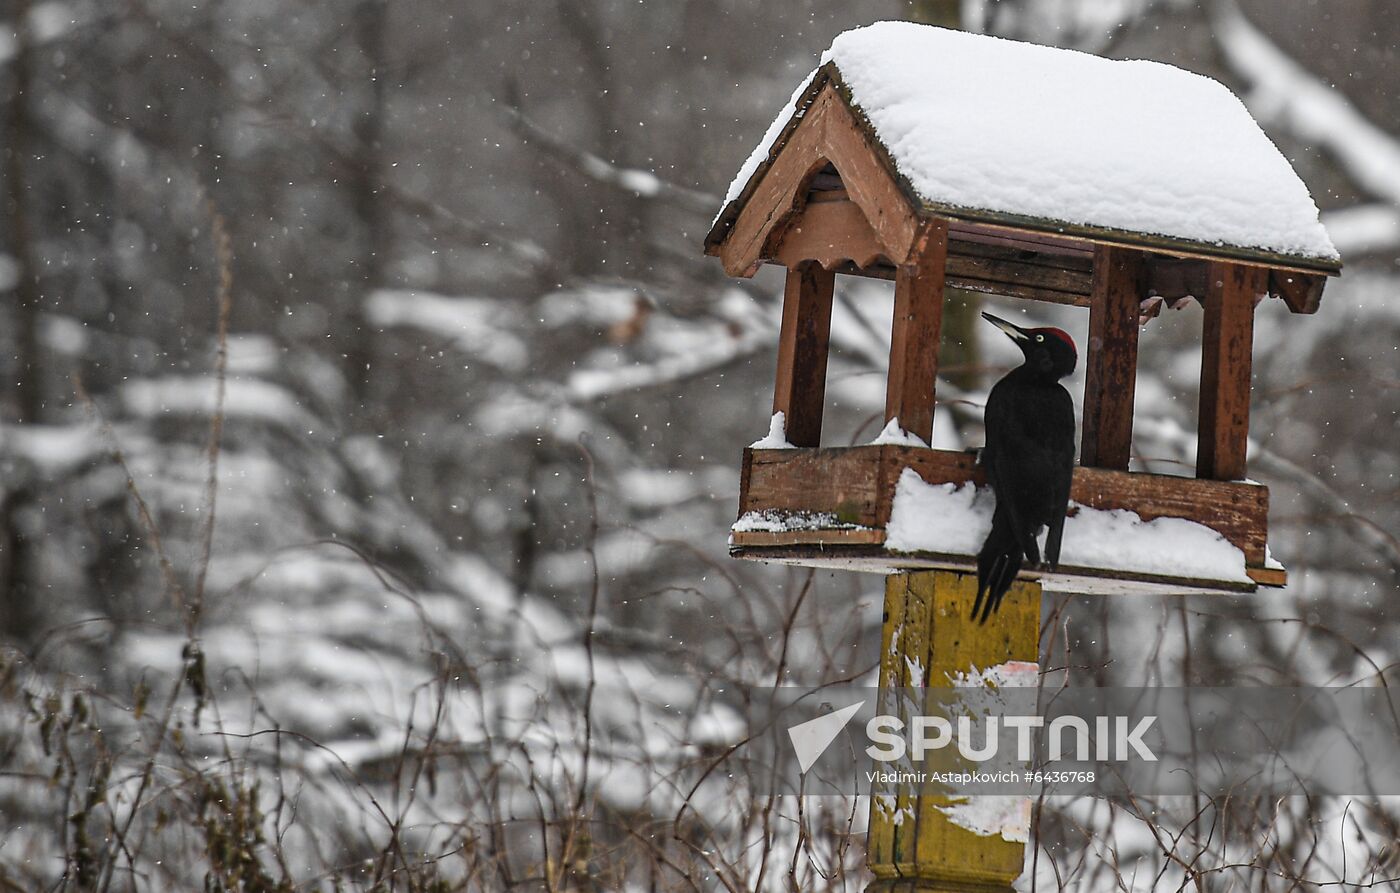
<point x="928" y="638"/>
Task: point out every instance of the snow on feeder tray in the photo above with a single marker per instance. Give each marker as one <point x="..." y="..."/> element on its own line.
<point x="937" y="158"/>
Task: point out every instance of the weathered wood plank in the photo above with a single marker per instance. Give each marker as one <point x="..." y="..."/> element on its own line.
<point x="838" y="235"/>
<point x="857" y="485"/>
<point x="994" y="265"/>
<point x="1040" y="243"/>
<point x="945" y="855"/>
<point x="1012" y="290"/>
<point x="869" y="179"/>
<point x="874" y="558"/>
<point x="799" y="391"/>
<point x="842" y="536"/>
<point x="1227" y="348"/>
<point x="914" y="337"/>
<point x="841" y="480"/>
<point x="1268" y="576"/>
<point x="1176" y="247"/>
<point x="1302" y="292"/>
<point x="984" y="286"/>
<point x="1177" y="277"/>
<point x="1111" y="361"/>
<point x="830" y="233"/>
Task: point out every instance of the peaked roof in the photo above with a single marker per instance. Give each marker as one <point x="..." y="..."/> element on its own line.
<point x="1000" y="131"/>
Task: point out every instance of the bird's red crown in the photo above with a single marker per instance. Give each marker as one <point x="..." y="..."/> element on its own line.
<point x="1061" y="334"/>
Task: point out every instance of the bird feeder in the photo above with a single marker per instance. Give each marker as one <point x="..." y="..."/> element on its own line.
<point x="935" y="158"/>
<point x="940" y="159"/>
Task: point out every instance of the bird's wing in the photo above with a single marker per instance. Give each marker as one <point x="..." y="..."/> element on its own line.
<point x="1012" y="477"/>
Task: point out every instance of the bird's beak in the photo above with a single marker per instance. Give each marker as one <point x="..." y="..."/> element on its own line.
<point x="1015" y="333"/>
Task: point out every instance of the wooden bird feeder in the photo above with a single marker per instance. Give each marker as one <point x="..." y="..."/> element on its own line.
<point x="842" y="188"/>
<point x="936" y="158"/>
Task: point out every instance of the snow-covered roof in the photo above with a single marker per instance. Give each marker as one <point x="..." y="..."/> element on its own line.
<point x="1019" y="131"/>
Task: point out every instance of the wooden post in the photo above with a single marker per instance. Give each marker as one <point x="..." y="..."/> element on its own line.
<point x="913" y="845"/>
<point x="800" y="390"/>
<point x="1111" y="370"/>
<point x="915" y="332"/>
<point x="1226" y="361"/>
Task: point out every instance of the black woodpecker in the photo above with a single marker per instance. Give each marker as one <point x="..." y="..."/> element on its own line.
<point x="1029" y="459"/>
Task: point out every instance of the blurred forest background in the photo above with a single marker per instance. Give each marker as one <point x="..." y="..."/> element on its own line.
<point x="370" y="426"/>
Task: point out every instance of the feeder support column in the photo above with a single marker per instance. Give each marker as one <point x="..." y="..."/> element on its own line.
<point x="800" y="390"/>
<point x="1111" y="361"/>
<point x="928" y="639"/>
<point x="1227" y="349"/>
<point x="916" y="329"/>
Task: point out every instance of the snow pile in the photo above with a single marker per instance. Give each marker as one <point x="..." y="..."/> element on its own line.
<point x="954" y="520"/>
<point x="893" y="435"/>
<point x="1066" y="136"/>
<point x="780" y="522"/>
<point x="776" y="438"/>
<point x="938" y="517"/>
<point x="1010" y="674"/>
<point x="1007" y="817"/>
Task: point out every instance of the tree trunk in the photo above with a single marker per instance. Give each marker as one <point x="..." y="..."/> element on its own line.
<point x="371" y="23"/>
<point x="28" y="388"/>
<point x="618" y="245"/>
<point x="18" y="618"/>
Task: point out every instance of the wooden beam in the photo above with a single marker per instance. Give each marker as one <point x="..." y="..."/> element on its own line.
<point x="1177" y="247"/>
<point x="930" y="640"/>
<point x="800" y="389"/>
<point x="868" y="175"/>
<point x="832" y="550"/>
<point x="1302" y="292"/>
<point x="830" y="233"/>
<point x="1018" y="273"/>
<point x="837" y="234"/>
<point x="914" y="337"/>
<point x="1111" y="364"/>
<point x="1227" y="354"/>
<point x="857" y="485"/>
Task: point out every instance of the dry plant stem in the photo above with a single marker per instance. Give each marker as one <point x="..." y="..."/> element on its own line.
<point x="223" y="254"/>
<point x="577" y="817"/>
<point x="778" y="679"/>
<point x="148" y="525"/>
<point x="190" y="608"/>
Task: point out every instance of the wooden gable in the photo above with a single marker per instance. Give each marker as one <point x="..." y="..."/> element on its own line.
<point x="879" y="212"/>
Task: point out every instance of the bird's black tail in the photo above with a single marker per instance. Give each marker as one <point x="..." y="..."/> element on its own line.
<point x="997" y="566"/>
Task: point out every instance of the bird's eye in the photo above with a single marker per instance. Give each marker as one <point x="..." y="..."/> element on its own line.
<point x="1040" y="337"/>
